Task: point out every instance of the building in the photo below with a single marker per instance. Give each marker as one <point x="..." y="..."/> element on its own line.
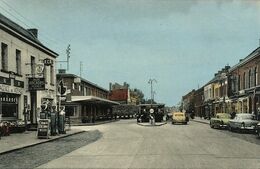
<point x="216" y="93"/>
<point x="244" y="84"/>
<point x="85" y="101"/>
<point x="198" y="102"/>
<point x="27" y="73"/>
<point x="188" y="102"/>
<point x="120" y="93"/>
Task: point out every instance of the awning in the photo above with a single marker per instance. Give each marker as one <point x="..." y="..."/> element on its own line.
<point x="92" y="99"/>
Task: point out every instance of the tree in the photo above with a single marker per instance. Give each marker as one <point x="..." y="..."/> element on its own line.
<point x="138" y="94"/>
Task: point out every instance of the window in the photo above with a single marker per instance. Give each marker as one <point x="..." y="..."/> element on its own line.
<point x="73" y="86"/>
<point x="238" y="83"/>
<point x="244" y="78"/>
<point x="52" y="74"/>
<point x="33" y="66"/>
<point x="249" y="79"/>
<point x="45" y="74"/>
<point x="79" y="87"/>
<point x="18" y="61"/>
<point x="256" y="76"/>
<point x="4" y="56"/>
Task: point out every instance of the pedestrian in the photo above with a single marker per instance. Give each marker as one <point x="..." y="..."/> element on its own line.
<point x="233" y="114"/>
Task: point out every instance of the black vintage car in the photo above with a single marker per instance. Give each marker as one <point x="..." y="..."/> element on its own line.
<point x="145" y="114"/>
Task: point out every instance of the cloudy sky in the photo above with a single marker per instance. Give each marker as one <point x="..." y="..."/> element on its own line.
<point x="180" y="43"/>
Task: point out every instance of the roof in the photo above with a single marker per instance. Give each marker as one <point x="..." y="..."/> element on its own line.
<point x="251" y="56"/>
<point x="82" y="79"/>
<point x="24" y="34"/>
<point x="93" y="99"/>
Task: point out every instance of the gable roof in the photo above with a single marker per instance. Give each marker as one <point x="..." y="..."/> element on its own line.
<point x="251" y="56"/>
<point x="23" y="34"/>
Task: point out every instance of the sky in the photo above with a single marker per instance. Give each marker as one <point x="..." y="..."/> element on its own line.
<point x="180" y="43"/>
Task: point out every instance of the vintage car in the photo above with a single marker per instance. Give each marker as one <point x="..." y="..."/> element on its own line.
<point x="257" y="129"/>
<point x="179" y="117"/>
<point x="243" y="121"/>
<point x="220" y="121"/>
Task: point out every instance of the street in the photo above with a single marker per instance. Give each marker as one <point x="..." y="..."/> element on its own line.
<point x="124" y="144"/>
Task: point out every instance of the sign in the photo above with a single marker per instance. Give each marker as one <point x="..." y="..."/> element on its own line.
<point x="39" y="68"/>
<point x="43" y="130"/>
<point x="36" y="84"/>
<point x="47" y="62"/>
<point x="151" y="111"/>
<point x="10" y="89"/>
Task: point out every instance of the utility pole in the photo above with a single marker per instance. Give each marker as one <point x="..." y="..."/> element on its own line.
<point x="68" y="56"/>
<point x="81" y="67"/>
<point x="152" y="92"/>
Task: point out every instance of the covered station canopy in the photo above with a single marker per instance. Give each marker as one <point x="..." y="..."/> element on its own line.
<point x="92" y="99"/>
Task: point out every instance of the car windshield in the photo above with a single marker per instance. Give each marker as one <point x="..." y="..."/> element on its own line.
<point x="223" y="116"/>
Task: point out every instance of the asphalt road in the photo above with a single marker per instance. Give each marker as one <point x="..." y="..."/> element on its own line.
<point x="124" y="144"/>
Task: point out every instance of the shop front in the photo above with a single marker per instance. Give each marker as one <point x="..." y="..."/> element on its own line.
<point x="9" y="106"/>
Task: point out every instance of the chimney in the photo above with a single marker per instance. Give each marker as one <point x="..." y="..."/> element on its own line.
<point x="34" y="32"/>
<point x="110" y="86"/>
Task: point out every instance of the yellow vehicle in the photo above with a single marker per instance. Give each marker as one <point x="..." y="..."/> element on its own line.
<point x="179" y="117"/>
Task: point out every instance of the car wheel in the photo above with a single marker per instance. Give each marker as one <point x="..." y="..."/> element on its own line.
<point x="211" y="125"/>
<point x="230" y="128"/>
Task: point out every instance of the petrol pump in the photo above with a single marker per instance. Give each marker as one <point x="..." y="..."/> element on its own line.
<point x="43" y="129"/>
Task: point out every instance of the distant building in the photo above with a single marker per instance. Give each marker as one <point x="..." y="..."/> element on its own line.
<point x="188" y="102"/>
<point x="27" y="73"/>
<point x="85" y="101"/>
<point x="120" y="93"/>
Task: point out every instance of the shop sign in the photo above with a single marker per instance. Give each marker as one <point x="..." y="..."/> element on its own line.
<point x="36" y="84"/>
<point x="47" y="62"/>
<point x="10" y="89"/>
<point x="43" y="128"/>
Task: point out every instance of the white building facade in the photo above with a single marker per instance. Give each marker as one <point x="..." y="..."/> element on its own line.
<point x="27" y="73"/>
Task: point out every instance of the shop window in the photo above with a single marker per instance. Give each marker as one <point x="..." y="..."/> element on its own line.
<point x="4" y="57"/>
<point x="18" y="62"/>
<point x="9" y="103"/>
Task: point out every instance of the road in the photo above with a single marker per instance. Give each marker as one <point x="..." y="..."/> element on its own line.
<point x="124" y="144"/>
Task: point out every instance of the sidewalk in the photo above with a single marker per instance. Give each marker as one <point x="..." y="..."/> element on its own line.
<point x="149" y="124"/>
<point x="22" y="140"/>
<point x="200" y="120"/>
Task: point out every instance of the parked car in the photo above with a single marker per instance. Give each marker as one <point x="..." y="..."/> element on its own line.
<point x="242" y="121"/>
<point x="220" y="121"/>
<point x="179" y="117"/>
<point x="257" y="129"/>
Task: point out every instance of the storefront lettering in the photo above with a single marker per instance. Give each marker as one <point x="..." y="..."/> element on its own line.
<point x="10" y="89"/>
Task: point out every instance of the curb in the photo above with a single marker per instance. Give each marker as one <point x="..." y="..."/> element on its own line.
<point x="45" y="141"/>
<point x="156" y="125"/>
<point x="203" y="122"/>
<point x="94" y="124"/>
